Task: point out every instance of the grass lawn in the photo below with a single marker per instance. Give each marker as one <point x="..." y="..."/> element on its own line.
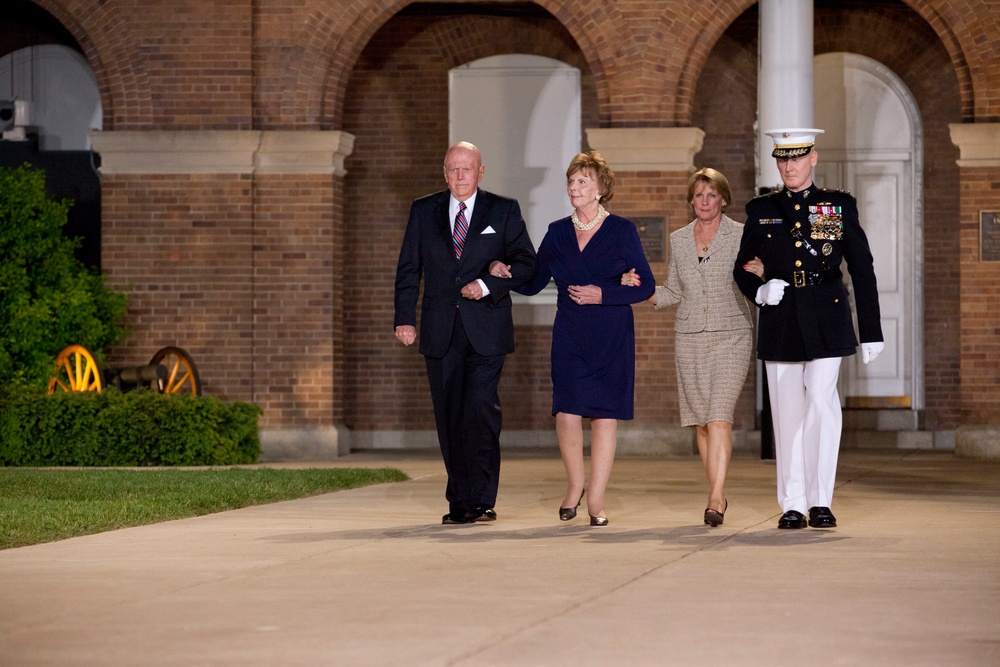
<point x="43" y="505"/>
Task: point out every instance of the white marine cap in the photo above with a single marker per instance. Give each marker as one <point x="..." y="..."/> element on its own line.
<point x="793" y="142"/>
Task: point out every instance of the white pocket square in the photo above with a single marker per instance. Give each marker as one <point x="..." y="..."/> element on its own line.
<point x="489" y="230"/>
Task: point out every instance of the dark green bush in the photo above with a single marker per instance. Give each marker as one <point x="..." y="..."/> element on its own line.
<point x="48" y="298"/>
<point x="137" y="428"/>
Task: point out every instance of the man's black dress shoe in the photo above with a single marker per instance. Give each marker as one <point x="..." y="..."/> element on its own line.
<point x="792" y="519"/>
<point x="456" y="517"/>
<point x="821" y="517"/>
<point x="483" y="513"/>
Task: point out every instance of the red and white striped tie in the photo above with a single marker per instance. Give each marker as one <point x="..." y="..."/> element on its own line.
<point x="461" y="229"/>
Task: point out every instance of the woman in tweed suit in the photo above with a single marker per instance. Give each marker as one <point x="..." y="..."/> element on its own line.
<point x="714" y="331"/>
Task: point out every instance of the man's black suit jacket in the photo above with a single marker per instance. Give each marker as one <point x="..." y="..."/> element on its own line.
<point x="496" y="232"/>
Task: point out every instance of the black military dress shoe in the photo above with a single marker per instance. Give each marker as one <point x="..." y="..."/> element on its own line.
<point x="821" y="517"/>
<point x="456" y="517"/>
<point x="484" y="513"/>
<point x="792" y="519"/>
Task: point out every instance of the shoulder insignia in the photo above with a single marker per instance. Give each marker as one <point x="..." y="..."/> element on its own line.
<point x="766" y="195"/>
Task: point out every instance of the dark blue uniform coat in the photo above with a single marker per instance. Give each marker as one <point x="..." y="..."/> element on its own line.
<point x="812" y="321"/>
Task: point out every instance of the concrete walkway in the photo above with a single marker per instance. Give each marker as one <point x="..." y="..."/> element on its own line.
<point x="370" y="577"/>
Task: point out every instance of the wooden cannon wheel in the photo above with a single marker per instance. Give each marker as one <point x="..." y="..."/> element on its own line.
<point x="76" y="370"/>
<point x="182" y="374"/>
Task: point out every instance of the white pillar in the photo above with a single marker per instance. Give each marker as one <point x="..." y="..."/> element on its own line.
<point x="784" y="77"/>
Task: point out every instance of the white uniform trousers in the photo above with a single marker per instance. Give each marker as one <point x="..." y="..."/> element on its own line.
<point x="805" y="409"/>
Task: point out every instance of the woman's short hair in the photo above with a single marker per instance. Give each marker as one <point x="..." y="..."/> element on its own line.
<point x="715" y="180"/>
<point x="593" y="163"/>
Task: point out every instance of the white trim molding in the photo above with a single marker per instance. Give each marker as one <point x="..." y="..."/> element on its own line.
<point x="647" y="148"/>
<point x="223" y="152"/>
<point x="978" y="144"/>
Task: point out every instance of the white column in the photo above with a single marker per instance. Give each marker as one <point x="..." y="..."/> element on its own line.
<point x="784" y="78"/>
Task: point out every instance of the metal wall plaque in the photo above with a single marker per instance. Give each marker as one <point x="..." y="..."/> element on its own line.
<point x="653" y="236"/>
<point x="989" y="236"/>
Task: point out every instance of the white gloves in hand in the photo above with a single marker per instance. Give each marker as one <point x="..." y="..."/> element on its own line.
<point x="770" y="293"/>
<point x="870" y="351"/>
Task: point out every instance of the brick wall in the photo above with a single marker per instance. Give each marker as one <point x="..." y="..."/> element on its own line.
<point x="980" y="352"/>
<point x="295" y="279"/>
<point x="281" y="286"/>
<point x="180" y="246"/>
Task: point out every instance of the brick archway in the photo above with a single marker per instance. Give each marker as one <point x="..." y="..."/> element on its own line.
<point x="104" y="37"/>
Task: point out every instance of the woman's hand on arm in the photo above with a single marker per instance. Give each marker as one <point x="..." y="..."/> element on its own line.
<point x="585" y="295"/>
<point x="500" y="270"/>
<point x="631" y="279"/>
<point x="756" y="267"/>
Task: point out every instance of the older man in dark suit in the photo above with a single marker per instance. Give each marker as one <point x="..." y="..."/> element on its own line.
<point x="466" y="328"/>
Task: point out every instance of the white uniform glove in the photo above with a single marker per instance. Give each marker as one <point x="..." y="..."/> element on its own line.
<point x="870" y="351"/>
<point x="770" y="293"/>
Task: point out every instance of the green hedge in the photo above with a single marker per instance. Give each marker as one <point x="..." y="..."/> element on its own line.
<point x="137" y="428"/>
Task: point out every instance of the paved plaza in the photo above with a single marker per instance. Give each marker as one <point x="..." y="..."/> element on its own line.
<point x="370" y="577"/>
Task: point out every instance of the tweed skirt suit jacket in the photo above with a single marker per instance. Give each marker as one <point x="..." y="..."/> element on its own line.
<point x="714" y="326"/>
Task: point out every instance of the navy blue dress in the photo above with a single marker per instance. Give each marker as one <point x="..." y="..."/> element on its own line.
<point x="593" y="346"/>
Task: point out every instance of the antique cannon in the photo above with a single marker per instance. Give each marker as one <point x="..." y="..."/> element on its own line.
<point x="170" y="371"/>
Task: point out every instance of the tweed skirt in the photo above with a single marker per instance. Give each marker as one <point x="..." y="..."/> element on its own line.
<point x="712" y="367"/>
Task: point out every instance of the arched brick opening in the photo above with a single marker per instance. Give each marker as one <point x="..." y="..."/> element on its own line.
<point x="107" y="43"/>
<point x="895" y="35"/>
<point x="396" y="106"/>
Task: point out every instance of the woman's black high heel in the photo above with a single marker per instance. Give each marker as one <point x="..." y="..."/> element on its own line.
<point x="598" y="520"/>
<point x="567" y="513"/>
<point x="715" y="518"/>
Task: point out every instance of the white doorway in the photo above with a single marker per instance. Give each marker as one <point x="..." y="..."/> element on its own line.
<point x="62" y="93"/>
<point x="523" y="112"/>
<point x="872" y="148"/>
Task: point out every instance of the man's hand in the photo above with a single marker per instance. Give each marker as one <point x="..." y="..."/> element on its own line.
<point x="500" y="270"/>
<point x="870" y="351"/>
<point x="585" y="294"/>
<point x="473" y="291"/>
<point x="406" y="334"/>
<point x="770" y="293"/>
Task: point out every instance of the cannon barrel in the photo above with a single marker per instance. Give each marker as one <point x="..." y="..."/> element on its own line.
<point x="170" y="371"/>
<point x="142" y="374"/>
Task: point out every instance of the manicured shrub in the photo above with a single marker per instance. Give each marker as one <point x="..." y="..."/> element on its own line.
<point x="137" y="428"/>
<point x="48" y="298"/>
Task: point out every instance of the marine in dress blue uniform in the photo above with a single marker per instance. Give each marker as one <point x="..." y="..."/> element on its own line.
<point x="803" y="235"/>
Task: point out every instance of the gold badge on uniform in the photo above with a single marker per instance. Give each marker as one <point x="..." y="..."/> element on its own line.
<point x="826" y="222"/>
<point x="827" y="249"/>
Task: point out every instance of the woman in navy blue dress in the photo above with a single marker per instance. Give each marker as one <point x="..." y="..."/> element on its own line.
<point x="593" y="338"/>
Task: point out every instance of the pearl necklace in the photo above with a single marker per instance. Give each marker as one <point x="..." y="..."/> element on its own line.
<point x="586" y="227"/>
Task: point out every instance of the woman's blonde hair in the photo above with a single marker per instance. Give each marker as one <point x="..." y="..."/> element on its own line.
<point x="593" y="162"/>
<point x="715" y="180"/>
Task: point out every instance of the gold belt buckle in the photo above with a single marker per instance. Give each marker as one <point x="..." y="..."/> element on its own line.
<point x="799" y="278"/>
